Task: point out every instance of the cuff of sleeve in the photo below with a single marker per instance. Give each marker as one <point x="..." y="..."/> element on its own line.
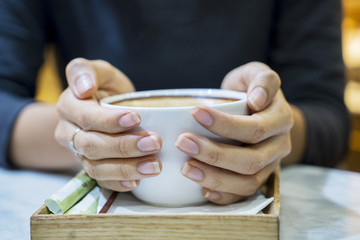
<point x="327" y="135"/>
<point x="10" y="108"/>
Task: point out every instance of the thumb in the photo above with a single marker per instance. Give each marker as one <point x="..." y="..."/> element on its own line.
<point x="257" y="79"/>
<point x="81" y="78"/>
<point x="86" y="77"/>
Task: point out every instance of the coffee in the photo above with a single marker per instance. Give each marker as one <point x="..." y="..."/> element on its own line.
<point x="173" y="101"/>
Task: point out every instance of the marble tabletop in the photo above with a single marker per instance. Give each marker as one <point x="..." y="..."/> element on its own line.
<point x="319" y="203"/>
<point x="316" y="203"/>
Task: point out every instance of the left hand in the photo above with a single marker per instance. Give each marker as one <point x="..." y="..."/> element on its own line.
<point x="231" y="173"/>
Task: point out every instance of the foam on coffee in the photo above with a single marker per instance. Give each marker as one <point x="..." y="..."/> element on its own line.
<point x="172" y="101"/>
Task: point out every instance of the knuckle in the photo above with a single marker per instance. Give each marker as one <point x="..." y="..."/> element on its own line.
<point x="216" y="184"/>
<point x="126" y="172"/>
<point x="227" y="130"/>
<point x="270" y="75"/>
<point x="255" y="164"/>
<point x="258" y="133"/>
<point x="83" y="121"/>
<point x="252" y="186"/>
<point x="107" y="123"/>
<point x="109" y="69"/>
<point x="123" y="146"/>
<point x="86" y="145"/>
<point x="215" y="157"/>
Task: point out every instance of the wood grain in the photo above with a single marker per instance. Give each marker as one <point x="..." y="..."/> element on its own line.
<point x="162" y="226"/>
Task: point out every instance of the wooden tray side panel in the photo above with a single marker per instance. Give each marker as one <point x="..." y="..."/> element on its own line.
<point x="161" y="226"/>
<point x="135" y="227"/>
<point x="273" y="190"/>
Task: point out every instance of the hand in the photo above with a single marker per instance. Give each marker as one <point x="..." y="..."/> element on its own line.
<point x="116" y="159"/>
<point x="231" y="173"/>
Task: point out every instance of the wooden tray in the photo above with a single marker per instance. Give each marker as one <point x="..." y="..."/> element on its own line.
<point x="162" y="226"/>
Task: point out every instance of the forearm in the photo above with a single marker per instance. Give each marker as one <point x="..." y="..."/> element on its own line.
<point x="33" y="144"/>
<point x="298" y="136"/>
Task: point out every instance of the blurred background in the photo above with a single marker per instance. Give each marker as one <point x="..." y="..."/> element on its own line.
<point x="50" y="91"/>
<point x="351" y="53"/>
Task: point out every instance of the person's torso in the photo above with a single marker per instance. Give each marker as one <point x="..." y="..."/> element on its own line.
<point x="164" y="44"/>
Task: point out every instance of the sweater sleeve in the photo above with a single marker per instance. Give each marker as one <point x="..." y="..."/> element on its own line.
<point x="21" y="54"/>
<point x="306" y="52"/>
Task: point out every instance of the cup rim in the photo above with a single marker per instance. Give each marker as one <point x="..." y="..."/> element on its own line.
<point x="206" y="92"/>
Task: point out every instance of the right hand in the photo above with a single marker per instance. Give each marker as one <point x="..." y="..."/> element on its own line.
<point x="115" y="158"/>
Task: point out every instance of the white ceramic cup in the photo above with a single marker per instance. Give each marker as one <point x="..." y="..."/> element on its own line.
<point x="170" y="187"/>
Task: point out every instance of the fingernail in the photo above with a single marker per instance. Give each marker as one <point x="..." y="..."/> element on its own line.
<point x="149" y="143"/>
<point x="202" y="116"/>
<point x="258" y="98"/>
<point x="129" y="120"/>
<point x="192" y="172"/>
<point x="212" y="195"/>
<point x="83" y="84"/>
<point x="187" y="145"/>
<point x="129" y="184"/>
<point x="149" y="168"/>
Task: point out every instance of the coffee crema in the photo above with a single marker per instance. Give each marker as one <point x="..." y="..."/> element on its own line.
<point x="172" y="101"/>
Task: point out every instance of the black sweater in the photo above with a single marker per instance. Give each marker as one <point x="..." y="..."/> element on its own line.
<point x="183" y="44"/>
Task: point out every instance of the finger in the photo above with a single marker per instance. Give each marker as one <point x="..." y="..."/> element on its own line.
<point x="222" y="180"/>
<point x="221" y="198"/>
<point x="258" y="80"/>
<point x="119" y="186"/>
<point x="85" y="77"/>
<point x="98" y="145"/>
<point x="89" y="115"/>
<point x="246" y="160"/>
<point x="95" y="145"/>
<point x="122" y="169"/>
<point x="276" y="119"/>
